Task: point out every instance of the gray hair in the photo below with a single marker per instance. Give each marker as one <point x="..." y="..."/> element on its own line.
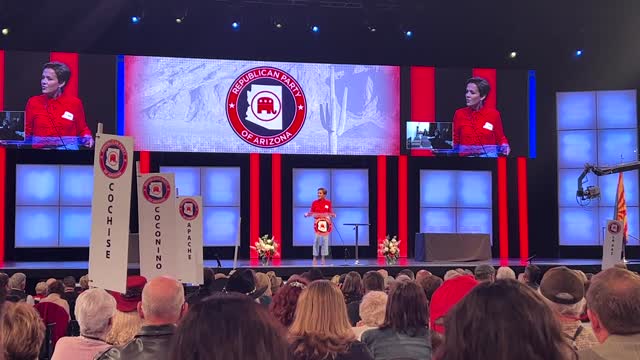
<point x="41" y="288"/>
<point x="94" y="310"/>
<point x="162" y="301"/>
<point x="505" y="272"/>
<point x="17" y="281"/>
<point x="572" y="310"/>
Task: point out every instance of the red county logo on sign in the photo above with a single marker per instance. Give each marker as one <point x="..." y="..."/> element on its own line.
<point x="266" y="107"/>
<point x="322" y="226"/>
<point x="189" y="209"/>
<point x="614" y="228"/>
<point x="156" y="189"/>
<point x="113" y="159"/>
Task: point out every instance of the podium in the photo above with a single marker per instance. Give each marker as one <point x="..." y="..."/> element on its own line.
<point x="355" y="227"/>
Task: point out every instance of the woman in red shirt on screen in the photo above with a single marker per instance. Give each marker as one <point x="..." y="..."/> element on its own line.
<point x="477" y="129"/>
<point x="54" y="119"/>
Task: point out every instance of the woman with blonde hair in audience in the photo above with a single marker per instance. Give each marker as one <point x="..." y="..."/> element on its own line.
<point x="501" y="321"/>
<point x="372" y="311"/>
<point x="127" y="321"/>
<point x="321" y="329"/>
<point x="21" y="332"/>
<point x="405" y="331"/>
<point x="228" y="327"/>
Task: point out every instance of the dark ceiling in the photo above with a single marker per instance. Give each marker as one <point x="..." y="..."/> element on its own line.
<point x="545" y="33"/>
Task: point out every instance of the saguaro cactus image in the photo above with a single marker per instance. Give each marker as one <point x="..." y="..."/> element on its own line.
<point x="334" y="118"/>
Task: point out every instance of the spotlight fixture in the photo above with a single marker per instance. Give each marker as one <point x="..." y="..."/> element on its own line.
<point x="278" y="23"/>
<point x="513" y="55"/>
<point x="136" y="19"/>
<point x="315" y="29"/>
<point x="408" y="33"/>
<point x="5" y="31"/>
<point x="579" y="52"/>
<point x="235" y="25"/>
<point x="179" y="20"/>
<point x="372" y="28"/>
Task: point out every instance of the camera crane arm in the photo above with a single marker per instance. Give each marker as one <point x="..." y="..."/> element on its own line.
<point x="593" y="191"/>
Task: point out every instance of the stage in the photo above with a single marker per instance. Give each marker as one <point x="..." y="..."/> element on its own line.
<point x="37" y="271"/>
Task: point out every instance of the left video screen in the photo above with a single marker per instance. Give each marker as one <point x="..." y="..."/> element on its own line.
<point x="54" y="101"/>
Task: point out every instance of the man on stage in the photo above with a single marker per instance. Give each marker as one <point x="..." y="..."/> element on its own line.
<point x="321" y="209"/>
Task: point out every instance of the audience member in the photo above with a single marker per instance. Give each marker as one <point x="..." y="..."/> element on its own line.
<point x="94" y="309"/>
<point x="244" y="282"/>
<point x="315" y="274"/>
<point x="228" y="327"/>
<point x="484" y="273"/>
<point x="161" y="308"/>
<point x="275" y="281"/>
<point x="54" y="294"/>
<point x="21" y="332"/>
<point x="430" y="284"/>
<point x="4" y="286"/>
<point x="503" y="320"/>
<point x="371" y="281"/>
<point x="408" y="273"/>
<point x="564" y="292"/>
<point x="446" y="296"/>
<point x="452" y="274"/>
<point x="17" y="283"/>
<point x="206" y="289"/>
<point x="505" y="272"/>
<point x="372" y="311"/>
<point x="41" y="291"/>
<point x="84" y="283"/>
<point x="614" y="311"/>
<point x="422" y="274"/>
<point x="405" y="332"/>
<point x="352" y="288"/>
<point x="126" y="321"/>
<point x="284" y="302"/>
<point x="264" y="286"/>
<point x="532" y="275"/>
<point x="70" y="294"/>
<point x="321" y="328"/>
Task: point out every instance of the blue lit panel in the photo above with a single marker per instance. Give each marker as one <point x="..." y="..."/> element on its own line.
<point x="579" y="226"/>
<point x="633" y="220"/>
<point x="36" y="226"/>
<point x="350" y="188"/>
<point x="474" y="189"/>
<point x="576" y="110"/>
<point x="37" y="184"/>
<point x="75" y="226"/>
<point x="220" y="226"/>
<point x="568" y="186"/>
<point x="575" y="148"/>
<point x="221" y="186"/>
<point x="476" y="221"/>
<point x="617" y="146"/>
<point x="306" y="183"/>
<point x="436" y="220"/>
<point x="76" y="185"/>
<point x="609" y="187"/>
<point x="302" y="227"/>
<point x="617" y="109"/>
<point x="187" y="179"/>
<point x="437" y="188"/>
<point x="350" y="216"/>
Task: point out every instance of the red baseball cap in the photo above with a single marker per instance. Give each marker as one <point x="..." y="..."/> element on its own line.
<point x="128" y="301"/>
<point x="446" y="296"/>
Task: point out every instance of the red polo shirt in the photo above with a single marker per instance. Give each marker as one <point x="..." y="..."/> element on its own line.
<point x="54" y="118"/>
<point x="478" y="131"/>
<point x="321" y="206"/>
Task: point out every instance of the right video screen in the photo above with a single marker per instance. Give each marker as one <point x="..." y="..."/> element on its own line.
<point x="470" y="112"/>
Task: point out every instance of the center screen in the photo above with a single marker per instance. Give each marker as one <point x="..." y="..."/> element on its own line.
<point x="202" y="105"/>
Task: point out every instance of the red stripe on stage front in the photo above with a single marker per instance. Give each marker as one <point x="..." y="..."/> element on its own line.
<point x="3" y="167"/>
<point x="72" y="61"/>
<point x="145" y="162"/>
<point x="403" y="232"/>
<point x="382" y="198"/>
<point x="276" y="200"/>
<point x="254" y="201"/>
<point x="523" y="208"/>
<point x="491" y="76"/>
<point x="503" y="210"/>
<point x="423" y="93"/>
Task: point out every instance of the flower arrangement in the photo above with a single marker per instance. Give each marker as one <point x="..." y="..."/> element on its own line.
<point x="389" y="248"/>
<point x="266" y="247"/>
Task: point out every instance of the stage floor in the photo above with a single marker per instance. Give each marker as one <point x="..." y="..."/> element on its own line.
<point x="288" y="267"/>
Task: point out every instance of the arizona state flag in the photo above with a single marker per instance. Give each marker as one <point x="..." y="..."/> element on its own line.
<point x="620" y="211"/>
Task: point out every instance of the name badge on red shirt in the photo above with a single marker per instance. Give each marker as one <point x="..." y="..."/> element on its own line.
<point x="67" y="115"/>
<point x="488" y="126"/>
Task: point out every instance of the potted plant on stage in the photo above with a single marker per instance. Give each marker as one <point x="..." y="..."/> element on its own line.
<point x="390" y="250"/>
<point x="266" y="247"/>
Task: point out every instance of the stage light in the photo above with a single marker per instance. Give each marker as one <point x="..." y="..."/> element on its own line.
<point x="315" y="29"/>
<point x="408" y="33"/>
<point x="372" y="28"/>
<point x="136" y="19"/>
<point x="235" y="25"/>
<point x="5" y="31"/>
<point x="513" y="55"/>
<point x="579" y="52"/>
<point x="279" y="25"/>
<point x="179" y="20"/>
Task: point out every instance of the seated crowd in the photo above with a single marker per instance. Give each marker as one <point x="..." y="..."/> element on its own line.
<point x="485" y="314"/>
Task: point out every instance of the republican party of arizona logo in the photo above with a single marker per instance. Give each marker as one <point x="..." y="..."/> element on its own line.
<point x="266" y="107"/>
<point x="189" y="209"/>
<point x="113" y="159"/>
<point x="156" y="189"/>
